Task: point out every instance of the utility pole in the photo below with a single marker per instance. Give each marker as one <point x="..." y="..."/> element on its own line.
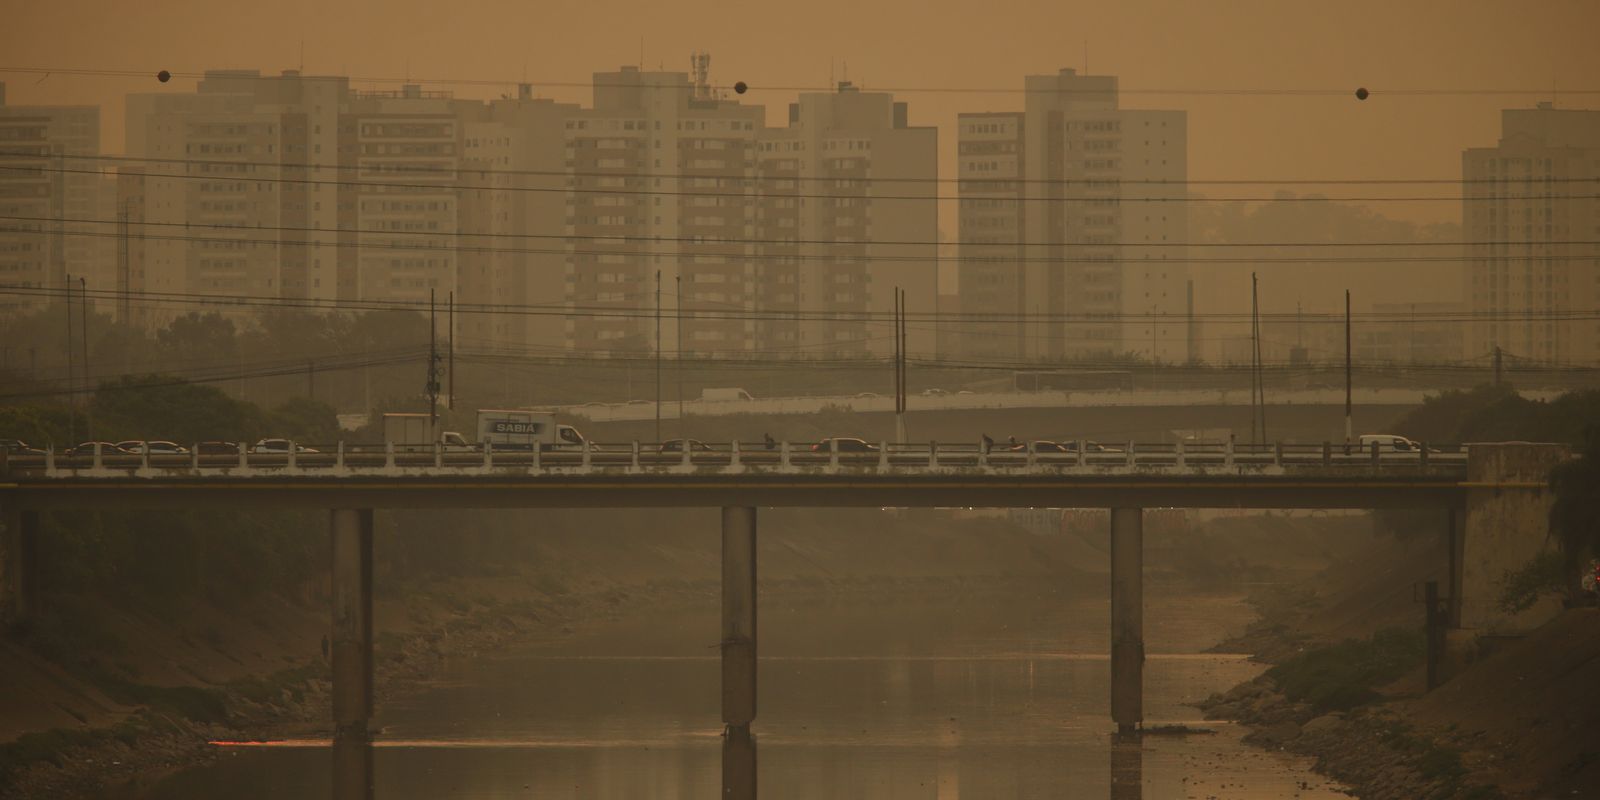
<point x="899" y="365"/>
<point x="72" y="391"/>
<point x="1499" y="365"/>
<point x="1348" y="431"/>
<point x="124" y="271"/>
<point x="658" y="356"/>
<point x="433" y="367"/>
<point x="311" y="379"/>
<point x="1255" y="360"/>
<point x="677" y="353"/>
<point x="88" y="407"/>
<point x="450" y="368"/>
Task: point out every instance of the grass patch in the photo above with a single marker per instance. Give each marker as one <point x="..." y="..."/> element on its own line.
<point x="271" y="688"/>
<point x="1345" y="675"/>
<point x="191" y="702"/>
<point x="49" y="746"/>
<point x="1441" y="762"/>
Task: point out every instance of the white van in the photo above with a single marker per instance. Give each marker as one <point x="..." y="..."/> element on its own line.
<point x="731" y="393"/>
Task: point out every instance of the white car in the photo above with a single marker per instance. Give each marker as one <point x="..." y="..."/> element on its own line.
<point x="279" y="446"/>
<point x="1390" y="444"/>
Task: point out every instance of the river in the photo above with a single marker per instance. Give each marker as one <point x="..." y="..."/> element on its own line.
<point x="977" y="693"/>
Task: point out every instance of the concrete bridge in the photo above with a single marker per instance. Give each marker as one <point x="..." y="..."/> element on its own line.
<point x="1494" y="495"/>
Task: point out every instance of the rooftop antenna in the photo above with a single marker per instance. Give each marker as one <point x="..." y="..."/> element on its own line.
<point x="700" y="67"/>
<point x="1086" y="56"/>
<point x="302" y="55"/>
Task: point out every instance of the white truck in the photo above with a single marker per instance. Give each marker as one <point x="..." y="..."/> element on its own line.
<point x="520" y="429"/>
<point x="412" y="432"/>
<point x="725" y="394"/>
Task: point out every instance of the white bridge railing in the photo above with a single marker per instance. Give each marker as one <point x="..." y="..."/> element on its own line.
<point x="346" y="460"/>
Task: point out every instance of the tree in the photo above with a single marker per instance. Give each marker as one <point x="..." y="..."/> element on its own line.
<point x="304" y="420"/>
<point x="204" y="338"/>
<point x="162" y="407"/>
<point x="1575" y="514"/>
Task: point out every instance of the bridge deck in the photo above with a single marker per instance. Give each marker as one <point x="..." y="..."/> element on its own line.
<point x="1133" y="475"/>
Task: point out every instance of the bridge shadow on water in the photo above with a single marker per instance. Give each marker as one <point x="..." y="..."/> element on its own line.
<point x="353" y="775"/>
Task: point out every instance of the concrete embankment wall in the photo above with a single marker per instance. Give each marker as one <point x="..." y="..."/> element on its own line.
<point x="1507" y="525"/>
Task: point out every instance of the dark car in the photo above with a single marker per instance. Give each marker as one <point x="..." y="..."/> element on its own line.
<point x="17" y="447"/>
<point x="845" y="445"/>
<point x="676" y="446"/>
<point x="1070" y="446"/>
<point x="217" y="448"/>
<point x="159" y="447"/>
<point x="1042" y="446"/>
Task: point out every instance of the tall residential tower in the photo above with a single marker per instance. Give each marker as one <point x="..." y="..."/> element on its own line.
<point x="1070" y="248"/>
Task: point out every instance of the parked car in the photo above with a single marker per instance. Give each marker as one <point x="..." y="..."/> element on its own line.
<point x="1065" y="446"/>
<point x="845" y="445"/>
<point x="676" y="446"/>
<point x="934" y="393"/>
<point x="1390" y="443"/>
<point x="867" y="395"/>
<point x="279" y="446"/>
<point x="159" y="447"/>
<point x="106" y="449"/>
<point x="1043" y="446"/>
<point x="217" y="448"/>
<point x="17" y="447"/>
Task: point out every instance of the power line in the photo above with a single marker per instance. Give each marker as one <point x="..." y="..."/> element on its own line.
<point x="796" y="195"/>
<point x="689" y="258"/>
<point x="714" y="241"/>
<point x="149" y="299"/>
<point x="685" y="87"/>
<point x="425" y="169"/>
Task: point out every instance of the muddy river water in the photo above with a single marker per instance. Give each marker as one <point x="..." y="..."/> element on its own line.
<point x="992" y="693"/>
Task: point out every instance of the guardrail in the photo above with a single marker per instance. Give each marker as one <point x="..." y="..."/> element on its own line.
<point x="342" y="459"/>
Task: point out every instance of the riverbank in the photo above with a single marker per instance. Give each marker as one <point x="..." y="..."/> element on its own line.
<point x="135" y="692"/>
<point x="1520" y="722"/>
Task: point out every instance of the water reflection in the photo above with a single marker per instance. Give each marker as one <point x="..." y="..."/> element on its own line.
<point x="738" y="764"/>
<point x="352" y="766"/>
<point x="634" y="714"/>
<point x="1127" y="767"/>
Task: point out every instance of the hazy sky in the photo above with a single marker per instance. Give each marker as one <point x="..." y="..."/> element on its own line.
<point x="1543" y="45"/>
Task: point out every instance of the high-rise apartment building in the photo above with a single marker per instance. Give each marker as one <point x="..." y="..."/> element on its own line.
<point x="847" y="214"/>
<point x="239" y="185"/>
<point x="51" y="196"/>
<point x="660" y="173"/>
<point x="512" y="244"/>
<point x="400" y="153"/>
<point x="1530" y="220"/>
<point x="665" y="194"/>
<point x="1069" y="249"/>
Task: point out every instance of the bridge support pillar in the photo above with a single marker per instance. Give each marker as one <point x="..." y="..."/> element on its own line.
<point x="738" y="618"/>
<point x="1127" y="618"/>
<point x="20" y="580"/>
<point x="352" y="652"/>
<point x="738" y="764"/>
<point x="1455" y="539"/>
